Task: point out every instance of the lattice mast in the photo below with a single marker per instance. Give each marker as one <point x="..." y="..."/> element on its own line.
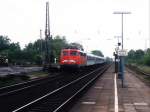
<point x="48" y="48"/>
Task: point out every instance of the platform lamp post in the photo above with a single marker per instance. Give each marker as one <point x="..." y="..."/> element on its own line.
<point x="122" y="52"/>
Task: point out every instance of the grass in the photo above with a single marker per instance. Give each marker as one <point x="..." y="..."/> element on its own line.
<point x="144" y="68"/>
<point x="148" y="78"/>
<point x="12" y="79"/>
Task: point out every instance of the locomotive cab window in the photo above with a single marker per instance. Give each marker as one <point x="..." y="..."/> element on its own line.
<point x="73" y="53"/>
<point x="65" y="53"/>
<point x="82" y="54"/>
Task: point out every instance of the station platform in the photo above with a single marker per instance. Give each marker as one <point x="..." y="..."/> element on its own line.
<point x="107" y="95"/>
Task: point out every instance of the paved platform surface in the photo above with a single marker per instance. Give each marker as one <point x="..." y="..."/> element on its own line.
<point x="101" y="97"/>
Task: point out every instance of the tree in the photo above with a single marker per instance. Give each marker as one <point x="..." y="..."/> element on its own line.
<point x="76" y="46"/>
<point x="139" y="55"/>
<point x="135" y="56"/>
<point x="97" y="52"/>
<point x="31" y="52"/>
<point x="14" y="53"/>
<point x="58" y="43"/>
<point x="10" y="50"/>
<point x="36" y="50"/>
<point x="108" y="59"/>
<point x="131" y="54"/>
<point x="131" y="57"/>
<point x="146" y="59"/>
<point x="4" y="43"/>
<point x="147" y="51"/>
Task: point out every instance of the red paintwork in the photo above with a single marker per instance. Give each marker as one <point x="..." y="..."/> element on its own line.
<point x="78" y="59"/>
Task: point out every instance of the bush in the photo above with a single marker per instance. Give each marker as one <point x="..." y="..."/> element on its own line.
<point x="146" y="59"/>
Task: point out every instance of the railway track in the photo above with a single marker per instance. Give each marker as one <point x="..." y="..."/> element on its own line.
<point x="13" y="97"/>
<point x="58" y="99"/>
<point x="15" y="87"/>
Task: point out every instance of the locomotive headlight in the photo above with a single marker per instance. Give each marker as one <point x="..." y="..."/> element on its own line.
<point x="64" y="61"/>
<point x="72" y="61"/>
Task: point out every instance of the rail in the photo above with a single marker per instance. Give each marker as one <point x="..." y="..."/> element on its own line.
<point x="56" y="100"/>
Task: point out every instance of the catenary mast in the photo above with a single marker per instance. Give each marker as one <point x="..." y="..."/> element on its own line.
<point x="48" y="40"/>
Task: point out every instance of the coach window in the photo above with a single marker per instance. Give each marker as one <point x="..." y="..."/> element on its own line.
<point x="73" y="53"/>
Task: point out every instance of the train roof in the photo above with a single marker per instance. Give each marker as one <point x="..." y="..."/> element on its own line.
<point x="74" y="47"/>
<point x="73" y="50"/>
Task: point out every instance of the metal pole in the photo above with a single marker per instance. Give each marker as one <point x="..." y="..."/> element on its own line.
<point x="149" y="23"/>
<point x="122" y="57"/>
<point x="41" y="47"/>
<point x="47" y="61"/>
<point x="41" y="41"/>
<point x="122" y="30"/>
<point x="47" y="35"/>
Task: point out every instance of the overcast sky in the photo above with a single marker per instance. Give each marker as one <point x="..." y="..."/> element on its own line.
<point x="89" y="22"/>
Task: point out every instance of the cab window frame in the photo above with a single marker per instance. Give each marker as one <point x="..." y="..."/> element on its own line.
<point x="73" y="53"/>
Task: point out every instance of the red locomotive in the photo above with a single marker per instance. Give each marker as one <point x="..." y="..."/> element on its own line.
<point x="76" y="58"/>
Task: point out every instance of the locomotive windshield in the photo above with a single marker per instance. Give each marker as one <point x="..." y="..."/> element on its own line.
<point x="65" y="53"/>
<point x="73" y="53"/>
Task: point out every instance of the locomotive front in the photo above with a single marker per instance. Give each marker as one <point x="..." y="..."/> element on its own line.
<point x="72" y="58"/>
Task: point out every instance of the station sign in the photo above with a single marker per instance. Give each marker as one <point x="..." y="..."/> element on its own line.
<point x="122" y="52"/>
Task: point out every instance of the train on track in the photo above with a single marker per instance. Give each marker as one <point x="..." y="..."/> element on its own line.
<point x="76" y="58"/>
